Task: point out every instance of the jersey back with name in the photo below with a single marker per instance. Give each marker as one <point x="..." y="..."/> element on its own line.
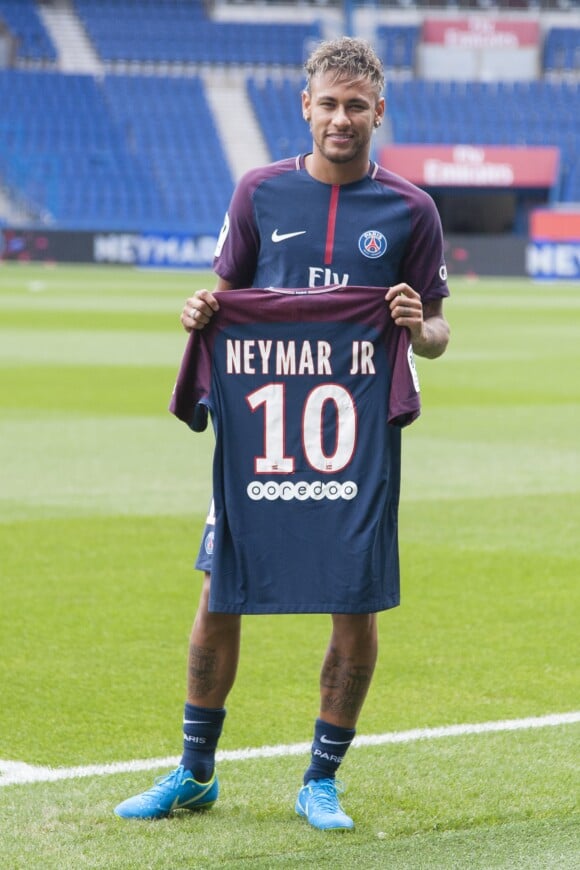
<point x="307" y="391"/>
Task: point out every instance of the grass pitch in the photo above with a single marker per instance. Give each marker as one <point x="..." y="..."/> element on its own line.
<point x="102" y="500"/>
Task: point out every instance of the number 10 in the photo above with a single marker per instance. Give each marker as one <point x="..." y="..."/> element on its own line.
<point x="272" y="398"/>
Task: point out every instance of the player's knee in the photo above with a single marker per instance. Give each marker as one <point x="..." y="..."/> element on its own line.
<point x="354" y="627"/>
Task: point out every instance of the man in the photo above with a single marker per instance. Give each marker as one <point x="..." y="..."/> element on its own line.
<point x="331" y="217"/>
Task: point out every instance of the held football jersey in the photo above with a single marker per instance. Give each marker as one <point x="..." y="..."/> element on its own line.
<point x="307" y="391"/>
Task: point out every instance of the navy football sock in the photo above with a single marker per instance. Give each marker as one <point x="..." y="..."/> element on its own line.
<point x="328" y="750"/>
<point x="202" y="727"/>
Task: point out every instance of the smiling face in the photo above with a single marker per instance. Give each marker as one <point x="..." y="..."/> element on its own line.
<point x="342" y="114"/>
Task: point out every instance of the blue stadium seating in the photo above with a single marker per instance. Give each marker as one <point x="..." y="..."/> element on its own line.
<point x="177" y="31"/>
<point x="562" y="51"/>
<point x="23" y="21"/>
<point x="142" y="153"/>
<point x="511" y="113"/>
<point x="397" y="46"/>
<point x="170" y="131"/>
<point x="277" y="106"/>
<point x="127" y="153"/>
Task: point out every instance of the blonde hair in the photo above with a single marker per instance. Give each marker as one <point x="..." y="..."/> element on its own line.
<point x="348" y="58"/>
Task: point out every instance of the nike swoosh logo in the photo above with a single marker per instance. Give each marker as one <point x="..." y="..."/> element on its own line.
<point x="325" y="739"/>
<point x="182" y="805"/>
<point x="195" y="722"/>
<point x="281" y="237"/>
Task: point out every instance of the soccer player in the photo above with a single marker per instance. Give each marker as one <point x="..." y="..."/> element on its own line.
<point x="330" y="217"/>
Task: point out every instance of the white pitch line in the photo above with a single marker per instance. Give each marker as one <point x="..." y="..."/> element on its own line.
<point x="20" y="773"/>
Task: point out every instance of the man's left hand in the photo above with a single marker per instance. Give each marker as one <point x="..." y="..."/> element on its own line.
<point x="406" y="309"/>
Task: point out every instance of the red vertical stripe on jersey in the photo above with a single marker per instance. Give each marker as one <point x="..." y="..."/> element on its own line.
<point x="332" y="209"/>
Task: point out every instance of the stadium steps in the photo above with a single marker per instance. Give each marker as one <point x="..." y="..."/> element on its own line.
<point x="75" y="51"/>
<point x="235" y="120"/>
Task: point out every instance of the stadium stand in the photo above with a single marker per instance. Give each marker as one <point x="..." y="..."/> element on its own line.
<point x="176" y="31"/>
<point x="562" y="51"/>
<point x="138" y="148"/>
<point x="477" y="113"/>
<point x="52" y="131"/>
<point x="482" y="113"/>
<point x="116" y="154"/>
<point x="169" y="130"/>
<point x="276" y="103"/>
<point x="23" y="22"/>
<point x="397" y="45"/>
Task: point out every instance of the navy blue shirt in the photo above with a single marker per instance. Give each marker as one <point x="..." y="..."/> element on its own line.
<point x="286" y="229"/>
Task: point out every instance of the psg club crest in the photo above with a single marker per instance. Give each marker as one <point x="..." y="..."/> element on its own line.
<point x="209" y="543"/>
<point x="372" y="244"/>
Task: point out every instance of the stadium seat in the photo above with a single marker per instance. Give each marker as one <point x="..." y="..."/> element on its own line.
<point x="141" y="152"/>
<point x="129" y="153"/>
<point x="277" y="106"/>
<point x="515" y="113"/>
<point x="397" y="46"/>
<point x="24" y="23"/>
<point x="562" y="51"/>
<point x="178" y="31"/>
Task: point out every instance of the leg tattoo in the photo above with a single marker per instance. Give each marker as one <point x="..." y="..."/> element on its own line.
<point x="202" y="670"/>
<point x="343" y="685"/>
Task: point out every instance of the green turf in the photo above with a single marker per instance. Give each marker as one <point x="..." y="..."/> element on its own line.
<point x="102" y="499"/>
<point x="494" y="801"/>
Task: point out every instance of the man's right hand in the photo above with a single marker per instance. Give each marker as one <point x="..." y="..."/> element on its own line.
<point x="198" y="310"/>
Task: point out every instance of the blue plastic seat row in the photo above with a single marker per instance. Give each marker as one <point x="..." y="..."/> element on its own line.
<point x="115" y="168"/>
<point x="133" y="151"/>
<point x="23" y="20"/>
<point x="276" y="105"/>
<point x="127" y="31"/>
<point x="562" y="50"/>
<point x="397" y="45"/>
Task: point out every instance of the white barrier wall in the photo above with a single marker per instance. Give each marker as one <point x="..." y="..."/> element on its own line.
<point x="441" y="62"/>
<point x="479" y="48"/>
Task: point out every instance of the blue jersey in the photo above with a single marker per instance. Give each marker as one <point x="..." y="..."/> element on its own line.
<point x="307" y="391"/>
<point x="286" y="229"/>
